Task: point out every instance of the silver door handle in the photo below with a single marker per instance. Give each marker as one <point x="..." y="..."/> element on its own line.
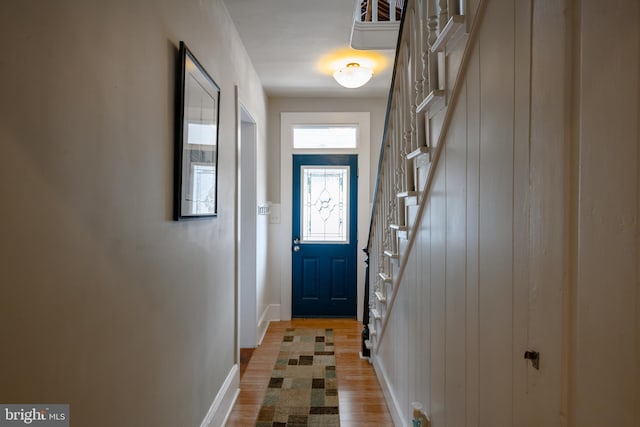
<point x="296" y="249"/>
<point x="296" y="241"/>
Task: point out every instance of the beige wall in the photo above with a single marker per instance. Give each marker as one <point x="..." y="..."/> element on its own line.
<point x="528" y="238"/>
<point x="106" y="303"/>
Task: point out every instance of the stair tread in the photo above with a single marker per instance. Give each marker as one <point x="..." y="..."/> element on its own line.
<point x="391" y="254"/>
<point x="411" y="201"/>
<point x="430" y="100"/>
<point x="419" y="151"/>
<point x="398" y="227"/>
<point x="385" y="277"/>
<point x="450" y="32"/>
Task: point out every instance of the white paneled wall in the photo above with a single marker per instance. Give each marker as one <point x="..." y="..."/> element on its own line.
<point x="526" y="239"/>
<point x="463" y="360"/>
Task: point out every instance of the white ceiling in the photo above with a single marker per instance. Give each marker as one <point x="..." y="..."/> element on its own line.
<point x="287" y="41"/>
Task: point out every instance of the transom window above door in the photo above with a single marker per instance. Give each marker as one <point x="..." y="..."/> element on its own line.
<point x="325" y="136"/>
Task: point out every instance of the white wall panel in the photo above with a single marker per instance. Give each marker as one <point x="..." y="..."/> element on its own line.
<point x="521" y="101"/>
<point x="455" y="324"/>
<point x="403" y="346"/>
<point x="496" y="215"/>
<point x="424" y="339"/>
<point x="438" y="225"/>
<point x="548" y="210"/>
<point x="413" y="329"/>
<point x="472" y="313"/>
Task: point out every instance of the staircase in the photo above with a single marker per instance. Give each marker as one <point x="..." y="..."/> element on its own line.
<point x="430" y="57"/>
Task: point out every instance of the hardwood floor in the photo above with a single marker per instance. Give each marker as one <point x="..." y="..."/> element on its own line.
<point x="245" y="357"/>
<point x="361" y="399"/>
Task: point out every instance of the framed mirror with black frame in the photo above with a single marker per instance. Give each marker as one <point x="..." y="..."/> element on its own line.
<point x="196" y="146"/>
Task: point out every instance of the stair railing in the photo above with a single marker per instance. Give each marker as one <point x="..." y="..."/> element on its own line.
<point x="418" y="92"/>
<point x="378" y="10"/>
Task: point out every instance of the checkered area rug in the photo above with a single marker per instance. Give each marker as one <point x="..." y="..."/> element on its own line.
<point x="303" y="390"/>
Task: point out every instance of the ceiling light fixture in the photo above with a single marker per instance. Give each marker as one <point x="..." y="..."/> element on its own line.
<point x="353" y="75"/>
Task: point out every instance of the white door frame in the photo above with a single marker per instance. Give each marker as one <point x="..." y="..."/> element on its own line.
<point x="283" y="243"/>
<point x="246" y="227"/>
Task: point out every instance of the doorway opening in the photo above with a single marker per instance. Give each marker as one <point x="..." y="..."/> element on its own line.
<point x="247" y="230"/>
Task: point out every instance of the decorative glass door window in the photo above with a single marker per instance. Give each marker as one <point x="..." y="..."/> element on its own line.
<point x="325" y="207"/>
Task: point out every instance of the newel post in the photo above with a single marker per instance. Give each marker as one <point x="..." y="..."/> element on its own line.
<point x="365" y="308"/>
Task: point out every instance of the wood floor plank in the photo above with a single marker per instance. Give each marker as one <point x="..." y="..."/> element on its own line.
<point x="361" y="399"/>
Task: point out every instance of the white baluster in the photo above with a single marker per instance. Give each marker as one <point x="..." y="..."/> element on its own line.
<point x="416" y="51"/>
<point x="387" y="189"/>
<point x="404" y="124"/>
<point x="443" y="14"/>
<point x="399" y="176"/>
<point x="432" y="36"/>
<point x="366" y="15"/>
<point x="390" y="190"/>
<point x="419" y="49"/>
<point x="383" y="201"/>
<point x="424" y="47"/>
<point x="374" y="11"/>
<point x="410" y="125"/>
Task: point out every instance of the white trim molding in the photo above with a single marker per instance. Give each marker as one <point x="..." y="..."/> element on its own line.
<point x="390" y="397"/>
<point x="225" y="399"/>
<point x="374" y="35"/>
<point x="270" y="314"/>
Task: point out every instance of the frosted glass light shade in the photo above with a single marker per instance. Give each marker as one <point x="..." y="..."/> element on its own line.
<point x="353" y="75"/>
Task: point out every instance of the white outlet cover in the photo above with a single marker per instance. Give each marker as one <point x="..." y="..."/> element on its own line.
<point x="274" y="215"/>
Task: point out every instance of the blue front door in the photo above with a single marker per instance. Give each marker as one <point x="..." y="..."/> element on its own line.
<point x="324" y="239"/>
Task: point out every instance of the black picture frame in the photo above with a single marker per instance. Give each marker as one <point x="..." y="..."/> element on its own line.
<point x="196" y="145"/>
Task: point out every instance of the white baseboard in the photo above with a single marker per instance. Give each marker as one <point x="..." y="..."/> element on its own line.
<point x="270" y="314"/>
<point x="389" y="395"/>
<point x="225" y="399"/>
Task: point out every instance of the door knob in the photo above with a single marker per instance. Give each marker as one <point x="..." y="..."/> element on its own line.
<point x="296" y="248"/>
